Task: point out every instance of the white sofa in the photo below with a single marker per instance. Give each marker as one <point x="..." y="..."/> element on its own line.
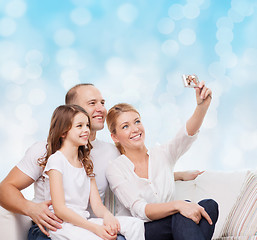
<point x="224" y="187"/>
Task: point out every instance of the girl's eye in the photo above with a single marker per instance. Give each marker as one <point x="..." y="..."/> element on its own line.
<point x="79" y="125"/>
<point x="88" y="125"/>
<point x="125" y="126"/>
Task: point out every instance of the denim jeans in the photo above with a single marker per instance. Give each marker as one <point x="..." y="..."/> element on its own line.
<point x="178" y="227"/>
<point x="36" y="234"/>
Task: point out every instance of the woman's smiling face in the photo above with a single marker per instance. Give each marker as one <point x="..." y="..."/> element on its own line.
<point x="130" y="132"/>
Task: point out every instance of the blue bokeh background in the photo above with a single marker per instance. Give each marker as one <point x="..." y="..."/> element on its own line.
<point x="135" y="52"/>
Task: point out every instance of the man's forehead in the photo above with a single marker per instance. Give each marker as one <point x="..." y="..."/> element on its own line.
<point x="89" y="93"/>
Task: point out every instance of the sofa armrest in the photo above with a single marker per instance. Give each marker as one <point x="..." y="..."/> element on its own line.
<point x="13" y="226"/>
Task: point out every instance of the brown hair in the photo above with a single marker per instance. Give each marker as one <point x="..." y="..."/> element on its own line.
<point x="61" y="123"/>
<point x="112" y="117"/>
<point x="71" y="95"/>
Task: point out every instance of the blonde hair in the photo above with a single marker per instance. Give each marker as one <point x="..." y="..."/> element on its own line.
<point x="112" y="117"/>
<point x="61" y="123"/>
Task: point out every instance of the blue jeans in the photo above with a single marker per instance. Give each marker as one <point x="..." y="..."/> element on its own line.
<point x="36" y="234"/>
<point x="178" y="227"/>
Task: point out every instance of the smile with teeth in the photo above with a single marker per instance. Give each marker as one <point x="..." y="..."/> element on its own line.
<point x="136" y="137"/>
<point x="98" y="117"/>
<point x="84" y="136"/>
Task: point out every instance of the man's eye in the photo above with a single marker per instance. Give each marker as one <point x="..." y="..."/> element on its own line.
<point x="92" y="103"/>
<point x="103" y="103"/>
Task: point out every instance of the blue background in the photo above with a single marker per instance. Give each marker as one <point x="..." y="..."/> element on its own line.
<point x="135" y="52"/>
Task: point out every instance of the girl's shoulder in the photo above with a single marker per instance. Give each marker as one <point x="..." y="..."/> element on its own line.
<point x="57" y="158"/>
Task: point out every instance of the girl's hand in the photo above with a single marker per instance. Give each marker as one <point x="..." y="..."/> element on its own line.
<point x="193" y="211"/>
<point x="111" y="223"/>
<point x="103" y="232"/>
<point x="203" y="94"/>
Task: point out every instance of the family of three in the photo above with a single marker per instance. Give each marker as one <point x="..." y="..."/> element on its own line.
<point x="71" y="169"/>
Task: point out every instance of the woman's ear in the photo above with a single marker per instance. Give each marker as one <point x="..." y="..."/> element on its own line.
<point x="114" y="138"/>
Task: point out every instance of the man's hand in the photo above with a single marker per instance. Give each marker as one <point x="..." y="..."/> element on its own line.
<point x="43" y="217"/>
<point x="187" y="175"/>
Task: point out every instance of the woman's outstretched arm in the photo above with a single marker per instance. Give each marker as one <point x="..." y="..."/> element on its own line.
<point x="203" y="99"/>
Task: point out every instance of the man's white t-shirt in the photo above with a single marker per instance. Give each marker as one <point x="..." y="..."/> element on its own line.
<point x="101" y="154"/>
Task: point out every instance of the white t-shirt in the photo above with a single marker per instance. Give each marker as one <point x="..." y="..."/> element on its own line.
<point x="76" y="183"/>
<point x="133" y="192"/>
<point x="101" y="154"/>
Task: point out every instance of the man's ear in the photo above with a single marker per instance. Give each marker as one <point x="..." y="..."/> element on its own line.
<point x="114" y="138"/>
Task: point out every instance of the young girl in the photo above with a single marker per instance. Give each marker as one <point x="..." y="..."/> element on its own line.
<point x="68" y="172"/>
<point x="143" y="179"/>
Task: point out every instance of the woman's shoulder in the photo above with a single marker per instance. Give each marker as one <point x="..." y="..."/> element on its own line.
<point x="118" y="160"/>
<point x="119" y="163"/>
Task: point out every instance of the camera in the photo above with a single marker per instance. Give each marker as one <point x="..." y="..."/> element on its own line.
<point x="190" y="81"/>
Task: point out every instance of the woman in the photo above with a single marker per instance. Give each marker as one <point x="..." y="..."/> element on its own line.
<point x="143" y="180"/>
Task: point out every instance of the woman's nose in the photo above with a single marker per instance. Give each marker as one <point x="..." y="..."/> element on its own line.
<point x="135" y="129"/>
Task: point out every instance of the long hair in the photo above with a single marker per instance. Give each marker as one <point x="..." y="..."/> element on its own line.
<point x="61" y="123"/>
<point x="112" y="117"/>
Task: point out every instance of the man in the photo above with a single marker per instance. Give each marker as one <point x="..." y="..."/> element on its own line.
<point x="27" y="170"/>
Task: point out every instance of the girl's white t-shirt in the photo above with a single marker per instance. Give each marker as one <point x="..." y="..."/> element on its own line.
<point x="101" y="154"/>
<point x="76" y="183"/>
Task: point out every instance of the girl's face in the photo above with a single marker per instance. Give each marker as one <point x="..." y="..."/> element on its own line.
<point x="79" y="133"/>
<point x="130" y="132"/>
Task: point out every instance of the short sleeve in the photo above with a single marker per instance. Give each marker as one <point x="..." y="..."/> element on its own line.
<point x="29" y="163"/>
<point x="55" y="162"/>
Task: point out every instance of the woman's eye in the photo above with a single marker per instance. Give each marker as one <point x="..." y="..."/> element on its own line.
<point x="79" y="125"/>
<point x="125" y="126"/>
<point x="138" y="121"/>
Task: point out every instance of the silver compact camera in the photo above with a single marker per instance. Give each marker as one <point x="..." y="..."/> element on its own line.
<point x="190" y="81"/>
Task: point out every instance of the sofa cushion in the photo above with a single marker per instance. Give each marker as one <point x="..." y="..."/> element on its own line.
<point x="13" y="226"/>
<point x="242" y="219"/>
<point x="223" y="187"/>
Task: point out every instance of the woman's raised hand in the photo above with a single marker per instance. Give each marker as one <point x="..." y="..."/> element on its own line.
<point x="203" y="94"/>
